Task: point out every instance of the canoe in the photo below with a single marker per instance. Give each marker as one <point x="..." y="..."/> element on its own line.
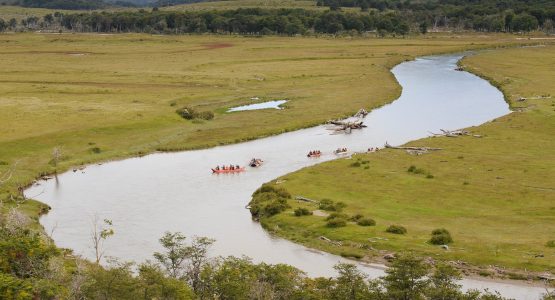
<point x="228" y="171"/>
<point x="313" y="155"/>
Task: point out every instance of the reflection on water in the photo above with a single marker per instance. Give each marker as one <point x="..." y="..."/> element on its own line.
<point x="178" y="192"/>
<point x="264" y="105"/>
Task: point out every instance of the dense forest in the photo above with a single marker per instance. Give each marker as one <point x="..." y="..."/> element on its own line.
<point x="486" y="15"/>
<point x="259" y="21"/>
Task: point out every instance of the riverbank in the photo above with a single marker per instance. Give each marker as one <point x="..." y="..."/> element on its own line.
<point x="493" y="193"/>
<point x="118" y="101"/>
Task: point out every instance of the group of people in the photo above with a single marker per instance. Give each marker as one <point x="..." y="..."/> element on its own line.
<point x="372" y="149"/>
<point x="255" y="162"/>
<point x="230" y="167"/>
<point x="314" y="153"/>
<point x="340" y="150"/>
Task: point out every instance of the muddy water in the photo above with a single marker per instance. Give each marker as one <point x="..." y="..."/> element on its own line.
<point x="146" y="196"/>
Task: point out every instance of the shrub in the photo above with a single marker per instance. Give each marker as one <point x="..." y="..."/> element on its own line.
<point x="205" y="115"/>
<point x="366" y="222"/>
<point x="415" y="170"/>
<point x="396" y="229"/>
<point x="336" y="222"/>
<point x="337" y="215"/>
<point x="189" y="113"/>
<point x="441" y="237"/>
<point x="96" y="150"/>
<point x="301" y="211"/>
<point x="550" y="244"/>
<point x="351" y="254"/>
<point x="268" y="201"/>
<point x="356" y="164"/>
<point x="329" y="205"/>
<point x="356" y="217"/>
<point x="411" y="169"/>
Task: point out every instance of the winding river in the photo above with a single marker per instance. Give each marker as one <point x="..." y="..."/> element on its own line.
<point x="144" y="197"/>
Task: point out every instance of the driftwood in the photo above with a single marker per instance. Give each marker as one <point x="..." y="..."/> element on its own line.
<point x="413" y="150"/>
<point x="301" y="198"/>
<point x="451" y="133"/>
<point x="361" y="113"/>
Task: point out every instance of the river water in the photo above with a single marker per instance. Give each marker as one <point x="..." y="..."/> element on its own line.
<point x="144" y="197"/>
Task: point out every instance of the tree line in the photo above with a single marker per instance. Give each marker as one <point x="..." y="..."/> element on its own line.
<point x="33" y="268"/>
<point x="486" y="15"/>
<point x="246" y="21"/>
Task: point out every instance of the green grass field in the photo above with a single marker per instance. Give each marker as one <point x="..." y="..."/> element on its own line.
<point x="496" y="194"/>
<point x="119" y="93"/>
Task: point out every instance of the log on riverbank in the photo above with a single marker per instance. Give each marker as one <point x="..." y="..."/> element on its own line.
<point x="413" y="150"/>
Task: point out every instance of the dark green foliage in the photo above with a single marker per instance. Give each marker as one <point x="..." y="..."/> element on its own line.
<point x="269" y="200"/>
<point x="356" y="164"/>
<point x="329" y="205"/>
<point x="441" y="237"/>
<point x="356" y="217"/>
<point x="189" y="113"/>
<point x="337" y="215"/>
<point x="366" y="222"/>
<point x="396" y="229"/>
<point x="96" y="150"/>
<point x="336" y="222"/>
<point x="550" y="244"/>
<point x="301" y="211"/>
<point x="406" y="279"/>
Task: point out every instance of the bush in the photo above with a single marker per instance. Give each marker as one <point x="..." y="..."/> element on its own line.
<point x="337" y="215"/>
<point x="190" y="114"/>
<point x="96" y="150"/>
<point x="550" y="244"/>
<point x="396" y="229"/>
<point x="268" y="201"/>
<point x="329" y="205"/>
<point x="275" y="207"/>
<point x="356" y="217"/>
<point x="415" y="170"/>
<point x="441" y="237"/>
<point x="336" y="222"/>
<point x="356" y="164"/>
<point x="366" y="222"/>
<point x="301" y="211"/>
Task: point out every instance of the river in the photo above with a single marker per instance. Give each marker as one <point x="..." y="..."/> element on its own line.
<point x="144" y="197"/>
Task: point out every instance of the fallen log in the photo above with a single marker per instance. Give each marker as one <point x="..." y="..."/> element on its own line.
<point x="301" y="198"/>
<point x="412" y="148"/>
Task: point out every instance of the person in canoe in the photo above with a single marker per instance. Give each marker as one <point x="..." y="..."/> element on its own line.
<point x="255" y="162"/>
<point x="314" y="153"/>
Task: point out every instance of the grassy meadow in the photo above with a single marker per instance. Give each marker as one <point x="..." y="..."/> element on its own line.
<point x="495" y="194"/>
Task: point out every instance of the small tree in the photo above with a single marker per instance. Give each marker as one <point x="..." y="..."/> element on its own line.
<point x="99" y="234"/>
<point x="406" y="278"/>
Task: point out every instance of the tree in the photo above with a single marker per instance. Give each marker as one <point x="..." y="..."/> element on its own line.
<point x="406" y="278"/>
<point x="176" y="253"/>
<point x="3" y="25"/>
<point x="423" y="27"/>
<point x="351" y="283"/>
<point x="443" y="283"/>
<point x="99" y="234"/>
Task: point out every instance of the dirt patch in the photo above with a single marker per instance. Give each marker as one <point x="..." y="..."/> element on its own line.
<point x="211" y="46"/>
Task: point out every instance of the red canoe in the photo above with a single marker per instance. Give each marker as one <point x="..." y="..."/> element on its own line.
<point x="228" y="170"/>
<point x="314" y="155"/>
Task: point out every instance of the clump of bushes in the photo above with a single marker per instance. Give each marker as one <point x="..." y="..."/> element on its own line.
<point x="413" y="169"/>
<point x="337" y="215"/>
<point x="189" y="113"/>
<point x="396" y="229"/>
<point x="329" y="205"/>
<point x="269" y="200"/>
<point x="366" y="222"/>
<point x="336" y="222"/>
<point x="441" y="237"/>
<point x="550" y="244"/>
<point x="301" y="211"/>
<point x="356" y="164"/>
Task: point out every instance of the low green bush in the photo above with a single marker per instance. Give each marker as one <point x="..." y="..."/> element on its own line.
<point x="337" y="215"/>
<point x="95" y="150"/>
<point x="356" y="217"/>
<point x="441" y="236"/>
<point x="550" y="244"/>
<point x="301" y="211"/>
<point x="268" y="200"/>
<point x="356" y="164"/>
<point x="396" y="229"/>
<point x="336" y="222"/>
<point x="329" y="205"/>
<point x="366" y="222"/>
<point x="190" y="113"/>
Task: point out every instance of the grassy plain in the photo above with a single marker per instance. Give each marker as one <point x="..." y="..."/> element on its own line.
<point x="496" y="194"/>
